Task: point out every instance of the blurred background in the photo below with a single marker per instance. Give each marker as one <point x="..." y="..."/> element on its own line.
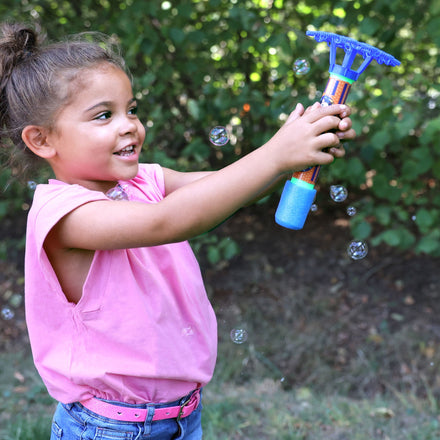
<point x="315" y="342"/>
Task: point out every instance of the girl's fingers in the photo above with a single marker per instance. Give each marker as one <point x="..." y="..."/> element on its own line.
<point x="348" y="134"/>
<point x="326" y="123"/>
<point x="299" y="110"/>
<point x="337" y="151"/>
<point x="315" y="114"/>
<point x="326" y="140"/>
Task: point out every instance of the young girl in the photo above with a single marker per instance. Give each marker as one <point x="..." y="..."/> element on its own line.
<point x="120" y="325"/>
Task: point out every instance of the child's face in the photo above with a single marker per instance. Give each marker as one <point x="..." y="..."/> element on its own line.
<point x="97" y="135"/>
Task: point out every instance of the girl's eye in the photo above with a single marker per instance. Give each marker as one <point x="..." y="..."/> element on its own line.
<point x="133" y="111"/>
<point x="104" y="115"/>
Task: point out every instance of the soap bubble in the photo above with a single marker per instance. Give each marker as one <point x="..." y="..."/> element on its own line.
<point x="31" y="185"/>
<point x="326" y="101"/>
<point x="357" y="250"/>
<point x="117" y="193"/>
<point x="7" y="314"/>
<point x="219" y="136"/>
<point x="338" y="193"/>
<point x="238" y="335"/>
<point x="351" y="211"/>
<point x="301" y="67"/>
<point x="314" y="207"/>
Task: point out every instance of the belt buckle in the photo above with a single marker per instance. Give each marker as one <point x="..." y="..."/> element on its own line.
<point x="182" y="407"/>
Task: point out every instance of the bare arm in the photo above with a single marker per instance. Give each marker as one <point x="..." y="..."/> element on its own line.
<point x="198" y="202"/>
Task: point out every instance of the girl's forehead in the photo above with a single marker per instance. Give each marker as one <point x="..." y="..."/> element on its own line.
<point x="102" y="79"/>
<point x="102" y="70"/>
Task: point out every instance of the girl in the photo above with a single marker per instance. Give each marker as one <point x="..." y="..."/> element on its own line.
<point x="121" y="329"/>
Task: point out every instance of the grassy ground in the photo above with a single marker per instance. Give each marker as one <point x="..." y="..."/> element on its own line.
<point x="236" y="410"/>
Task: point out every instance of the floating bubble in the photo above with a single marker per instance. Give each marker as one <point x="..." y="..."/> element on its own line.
<point x="432" y="104"/>
<point x="301" y="67"/>
<point x="314" y="207"/>
<point x="357" y="250"/>
<point x="32" y="185"/>
<point x="15" y="300"/>
<point x="351" y="211"/>
<point x="219" y="136"/>
<point x="7" y="314"/>
<point x="117" y="193"/>
<point x="238" y="335"/>
<point x="326" y="101"/>
<point x="338" y="193"/>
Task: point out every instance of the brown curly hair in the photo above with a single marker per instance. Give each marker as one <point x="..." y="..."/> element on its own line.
<point x="37" y="79"/>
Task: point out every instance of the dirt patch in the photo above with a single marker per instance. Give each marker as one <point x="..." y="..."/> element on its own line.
<point x="320" y="318"/>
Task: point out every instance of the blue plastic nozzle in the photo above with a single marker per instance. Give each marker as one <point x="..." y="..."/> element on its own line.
<point x="351" y="48"/>
<point x="295" y="203"/>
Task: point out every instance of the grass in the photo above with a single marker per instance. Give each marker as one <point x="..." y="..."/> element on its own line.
<point x="25" y="407"/>
<point x="237" y="409"/>
<point x="263" y="410"/>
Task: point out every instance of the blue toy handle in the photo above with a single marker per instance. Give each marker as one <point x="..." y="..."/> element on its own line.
<point x="294" y="205"/>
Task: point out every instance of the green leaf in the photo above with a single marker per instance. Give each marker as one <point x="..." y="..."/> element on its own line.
<point x="194" y="109"/>
<point x="431" y="131"/>
<point x="391" y="237"/>
<point x="197" y="148"/>
<point x="213" y="254"/>
<point x="380" y="139"/>
<point x="399" y="237"/>
<point x="361" y="230"/>
<point x="177" y="35"/>
<point x="424" y="219"/>
<point x="428" y="245"/>
<point x="383" y="215"/>
<point x="229" y="248"/>
<point x="383" y="189"/>
<point x="369" y="26"/>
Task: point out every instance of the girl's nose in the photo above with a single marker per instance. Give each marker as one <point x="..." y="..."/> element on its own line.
<point x="129" y="124"/>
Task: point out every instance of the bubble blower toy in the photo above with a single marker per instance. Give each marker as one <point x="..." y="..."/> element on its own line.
<point x="299" y="193"/>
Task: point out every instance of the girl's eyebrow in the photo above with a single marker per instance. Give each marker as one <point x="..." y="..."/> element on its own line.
<point x="106" y="104"/>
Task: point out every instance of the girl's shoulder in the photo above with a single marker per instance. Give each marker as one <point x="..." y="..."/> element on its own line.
<point x="149" y="183"/>
<point x="57" y="198"/>
<point x="150" y="173"/>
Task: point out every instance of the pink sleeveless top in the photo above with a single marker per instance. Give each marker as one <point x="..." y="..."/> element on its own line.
<point x="144" y="329"/>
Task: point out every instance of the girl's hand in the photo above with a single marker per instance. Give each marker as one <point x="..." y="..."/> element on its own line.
<point x="306" y="138"/>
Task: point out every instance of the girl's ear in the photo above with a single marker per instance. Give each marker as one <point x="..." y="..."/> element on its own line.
<point x="36" y="139"/>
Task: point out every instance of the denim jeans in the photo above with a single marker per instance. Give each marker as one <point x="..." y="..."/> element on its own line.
<point x="74" y="422"/>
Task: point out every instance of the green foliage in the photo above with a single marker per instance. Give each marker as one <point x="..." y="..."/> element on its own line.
<point x="199" y="63"/>
<point x="218" y="251"/>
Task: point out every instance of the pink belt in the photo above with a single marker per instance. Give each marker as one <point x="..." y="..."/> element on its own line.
<point x="130" y="414"/>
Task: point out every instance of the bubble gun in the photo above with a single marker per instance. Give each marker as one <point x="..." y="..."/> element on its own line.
<point x="299" y="193"/>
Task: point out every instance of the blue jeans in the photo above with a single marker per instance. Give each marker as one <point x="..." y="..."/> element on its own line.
<point x="74" y="422"/>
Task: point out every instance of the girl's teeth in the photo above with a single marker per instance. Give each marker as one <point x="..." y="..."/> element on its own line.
<point x="126" y="151"/>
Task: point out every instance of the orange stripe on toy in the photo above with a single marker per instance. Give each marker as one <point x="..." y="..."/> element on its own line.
<point x="337" y="90"/>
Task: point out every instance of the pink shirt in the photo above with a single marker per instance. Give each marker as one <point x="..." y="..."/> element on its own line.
<point x="144" y="329"/>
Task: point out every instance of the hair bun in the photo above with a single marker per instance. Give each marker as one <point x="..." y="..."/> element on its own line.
<point x="18" y="40"/>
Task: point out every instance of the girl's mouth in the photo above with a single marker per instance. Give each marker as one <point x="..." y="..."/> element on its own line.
<point x="127" y="151"/>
